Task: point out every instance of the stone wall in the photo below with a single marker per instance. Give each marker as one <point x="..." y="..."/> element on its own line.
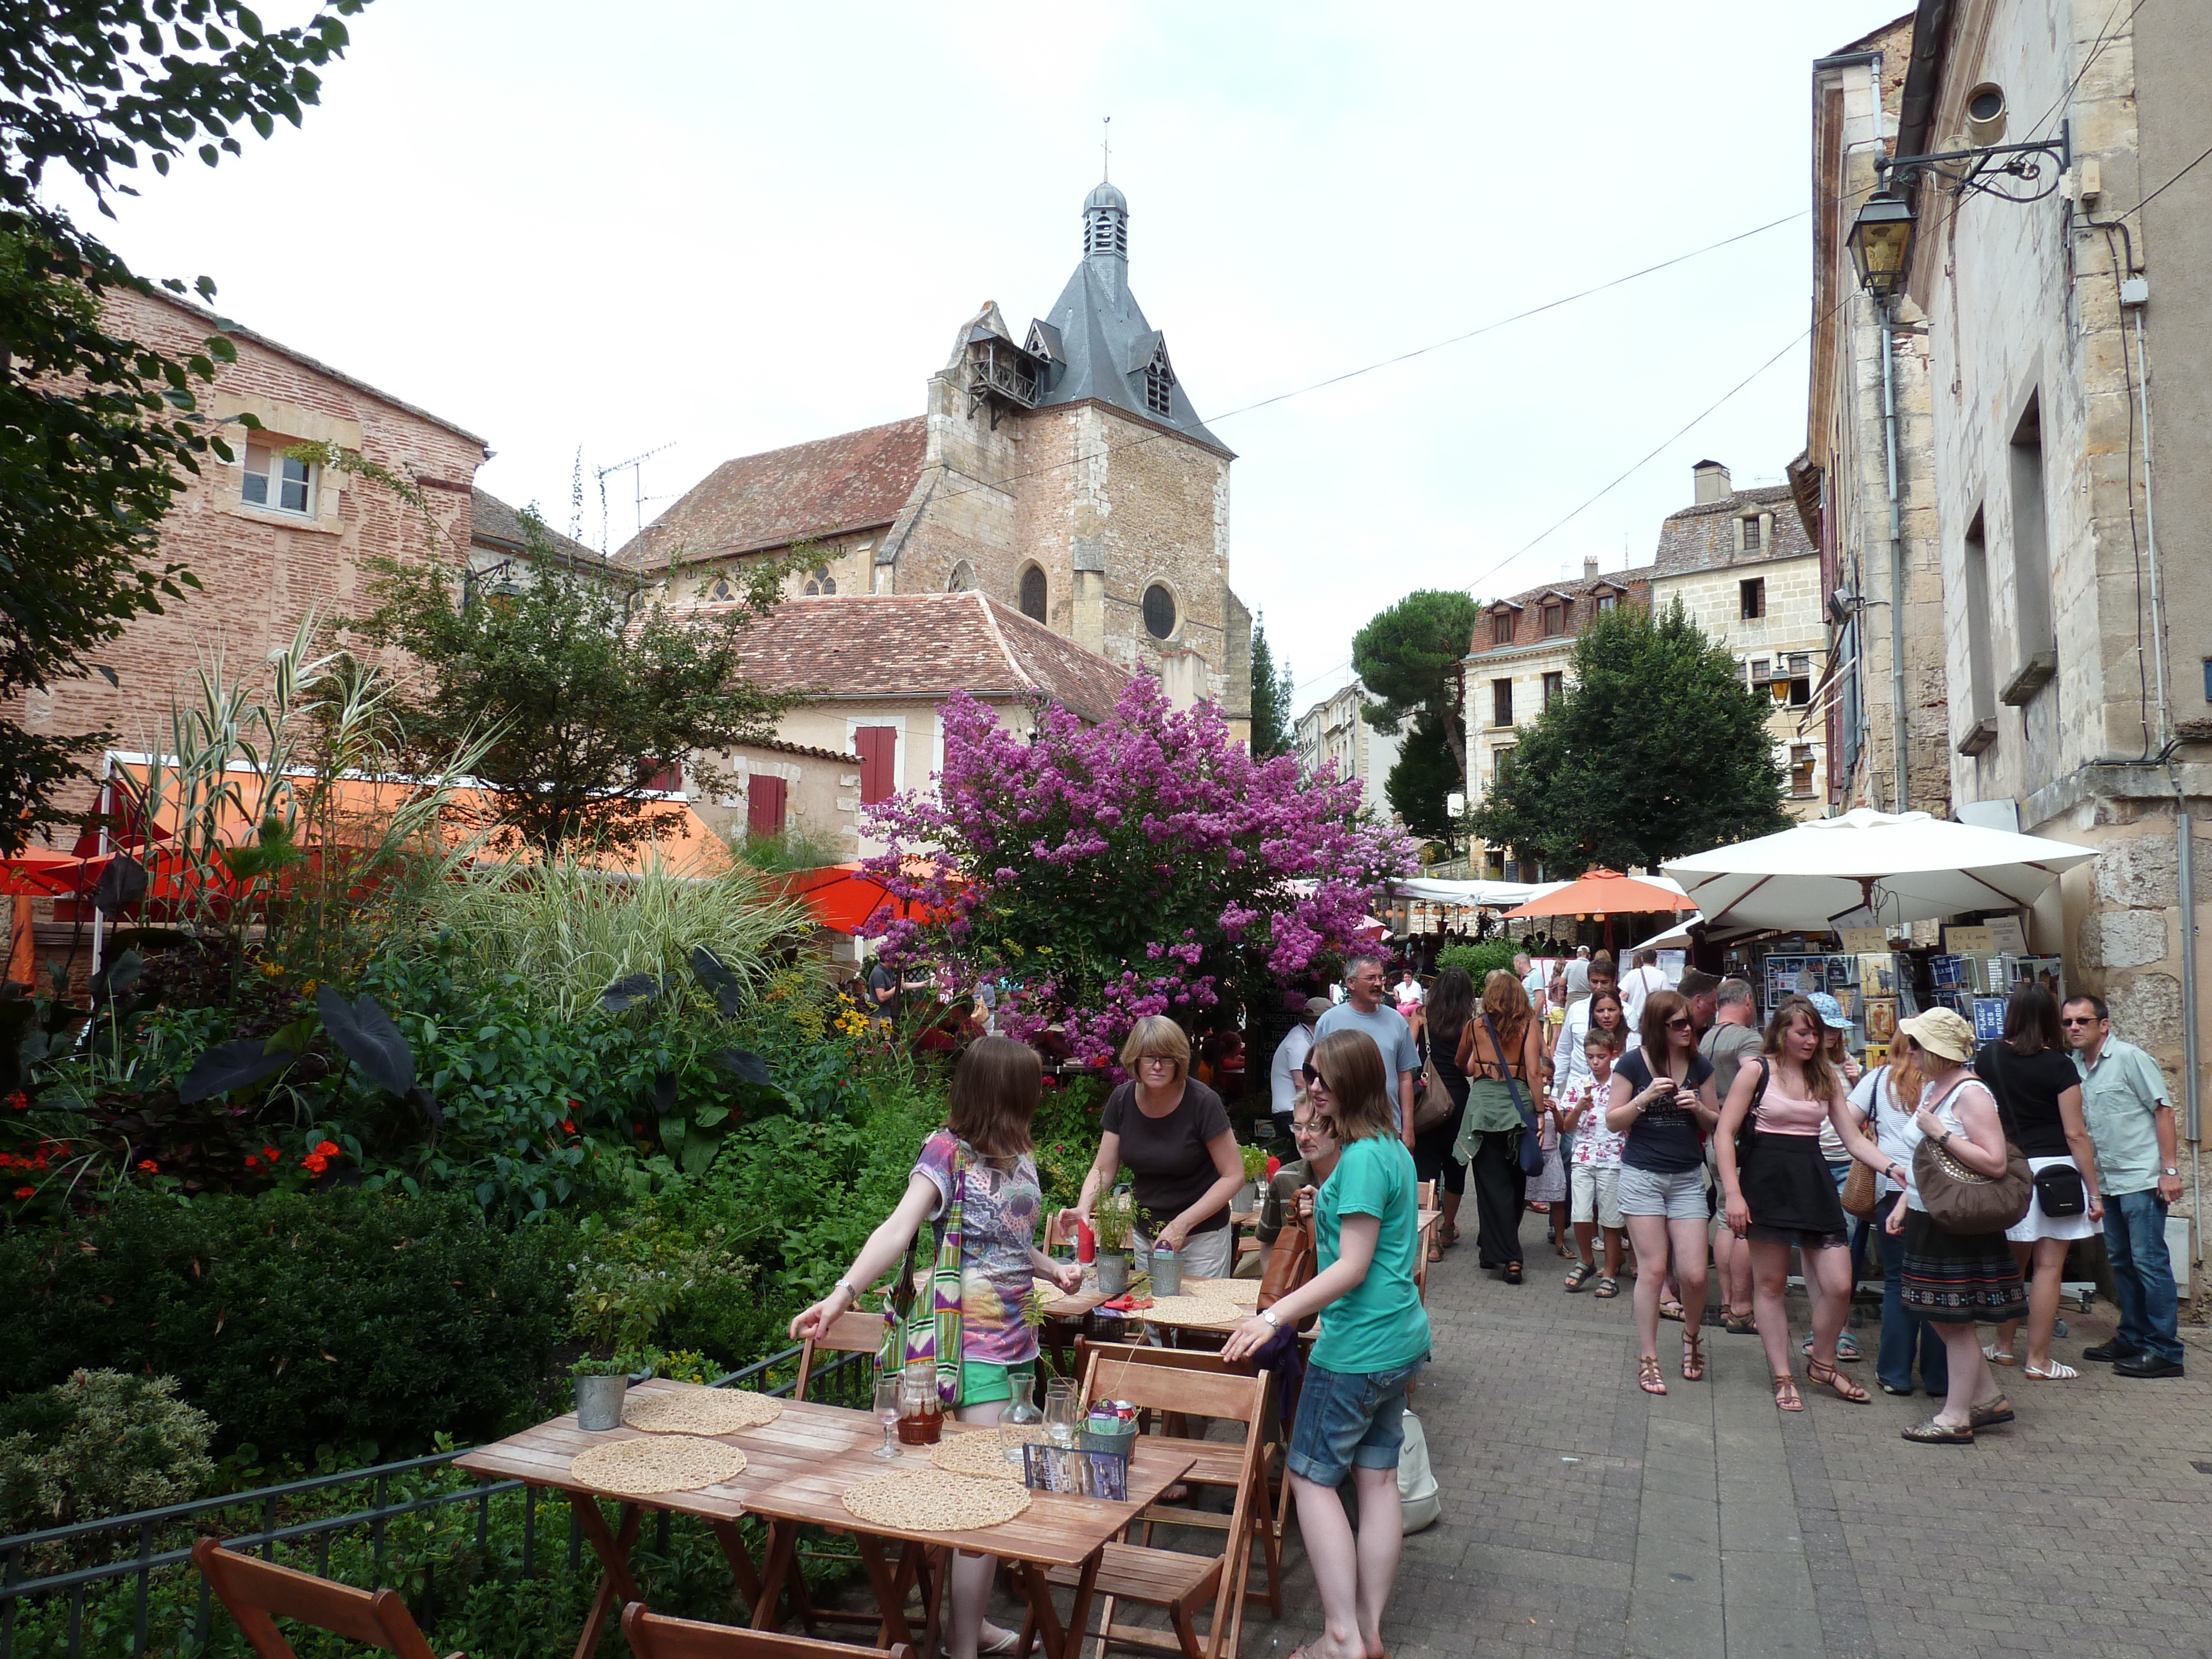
<point x="822" y="798"/>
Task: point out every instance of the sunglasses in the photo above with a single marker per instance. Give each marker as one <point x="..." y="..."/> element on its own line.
<point x="2069" y="1022"/>
<point x="1681" y="1023"/>
<point x="1313" y="1076"/>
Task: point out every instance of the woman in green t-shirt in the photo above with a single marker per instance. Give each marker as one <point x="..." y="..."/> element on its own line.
<point x="1374" y="1339"/>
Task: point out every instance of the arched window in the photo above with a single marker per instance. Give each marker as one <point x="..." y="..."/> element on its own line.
<point x="1033" y="594"/>
<point x="1159" y="612"/>
<point x="962" y="578"/>
<point x="721" y="592"/>
<point x="820" y="582"/>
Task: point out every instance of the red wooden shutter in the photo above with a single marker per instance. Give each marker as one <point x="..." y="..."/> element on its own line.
<point x="764" y="804"/>
<point x="878" y="748"/>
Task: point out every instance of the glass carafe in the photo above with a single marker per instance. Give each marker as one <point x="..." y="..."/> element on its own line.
<point x="1021" y="1423"/>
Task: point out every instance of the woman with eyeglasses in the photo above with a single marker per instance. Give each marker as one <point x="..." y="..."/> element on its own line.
<point x="1290" y="1189"/>
<point x="1663" y="1104"/>
<point x="1173" y="1132"/>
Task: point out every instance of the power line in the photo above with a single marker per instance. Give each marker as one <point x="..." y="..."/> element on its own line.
<point x="2167" y="185"/>
<point x="2104" y="38"/>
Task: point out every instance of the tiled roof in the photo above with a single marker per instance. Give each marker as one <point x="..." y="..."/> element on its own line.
<point x="496" y="523"/>
<point x="1703" y="538"/>
<point x="1527" y="605"/>
<point x="778" y="746"/>
<point x="855" y="481"/>
<point x="923" y="646"/>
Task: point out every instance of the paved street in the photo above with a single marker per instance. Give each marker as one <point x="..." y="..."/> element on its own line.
<point x="1582" y="1515"/>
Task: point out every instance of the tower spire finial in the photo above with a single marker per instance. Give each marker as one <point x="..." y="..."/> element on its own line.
<point x="1106" y="149"/>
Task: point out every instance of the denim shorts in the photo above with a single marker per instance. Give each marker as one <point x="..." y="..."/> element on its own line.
<point x="1347" y="1418"/>
<point x="1678" y="1194"/>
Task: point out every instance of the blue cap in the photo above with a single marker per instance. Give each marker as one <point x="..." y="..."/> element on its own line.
<point x="1831" y="1012"/>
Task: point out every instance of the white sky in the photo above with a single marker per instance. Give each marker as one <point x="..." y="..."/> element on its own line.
<point x="728" y="229"/>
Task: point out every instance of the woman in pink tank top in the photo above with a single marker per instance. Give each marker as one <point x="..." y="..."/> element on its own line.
<point x="1781" y="1195"/>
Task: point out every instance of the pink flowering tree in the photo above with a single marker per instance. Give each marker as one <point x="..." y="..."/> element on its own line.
<point x="1147" y="865"/>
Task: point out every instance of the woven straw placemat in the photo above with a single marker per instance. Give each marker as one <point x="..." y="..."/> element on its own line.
<point x="1244" y="1293"/>
<point x="699" y="1411"/>
<point x="658" y="1463"/>
<point x="1189" y="1310"/>
<point x="978" y="1454"/>
<point x="930" y="1500"/>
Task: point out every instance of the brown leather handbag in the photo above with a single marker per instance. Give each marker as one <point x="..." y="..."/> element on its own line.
<point x="1289" y="1263"/>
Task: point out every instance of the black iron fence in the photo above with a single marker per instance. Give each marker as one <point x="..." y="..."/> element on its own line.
<point x="126" y="1585"/>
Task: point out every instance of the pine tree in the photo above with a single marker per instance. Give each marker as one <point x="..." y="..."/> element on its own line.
<point x="1274" y="729"/>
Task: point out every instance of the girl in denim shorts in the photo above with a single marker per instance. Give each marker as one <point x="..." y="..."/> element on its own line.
<point x="1374" y="1341"/>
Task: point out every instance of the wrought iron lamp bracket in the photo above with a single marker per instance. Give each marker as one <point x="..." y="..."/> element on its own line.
<point x="2040" y="165"/>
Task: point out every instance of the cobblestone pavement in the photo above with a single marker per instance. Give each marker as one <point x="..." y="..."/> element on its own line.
<point x="1582" y="1515"/>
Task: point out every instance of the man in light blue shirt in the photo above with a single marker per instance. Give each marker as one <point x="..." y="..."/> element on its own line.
<point x="1362" y="1010"/>
<point x="2131" y="1123"/>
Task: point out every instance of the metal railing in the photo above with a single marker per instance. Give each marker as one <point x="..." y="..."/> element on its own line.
<point x="152" y="1543"/>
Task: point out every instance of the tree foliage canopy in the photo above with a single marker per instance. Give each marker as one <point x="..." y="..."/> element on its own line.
<point x="585" y="694"/>
<point x="1657" y="748"/>
<point x="1408" y="656"/>
<point x="98" y="433"/>
<point x="1274" y="722"/>
<point x="1425" y="773"/>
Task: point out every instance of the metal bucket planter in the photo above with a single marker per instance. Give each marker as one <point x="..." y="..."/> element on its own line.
<point x="1167" y="1273"/>
<point x="600" y="1402"/>
<point x="1113" y="1272"/>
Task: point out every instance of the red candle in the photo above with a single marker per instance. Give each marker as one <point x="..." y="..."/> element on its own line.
<point x="1086" y="1242"/>
<point x="1274" y="1167"/>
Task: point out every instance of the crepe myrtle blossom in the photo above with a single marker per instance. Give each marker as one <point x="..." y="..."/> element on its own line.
<point x="1145" y="866"/>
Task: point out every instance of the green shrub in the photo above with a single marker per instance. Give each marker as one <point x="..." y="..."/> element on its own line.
<point x="638" y="1270"/>
<point x="100" y="1443"/>
<point x="1480" y="958"/>
<point x="364" y="1322"/>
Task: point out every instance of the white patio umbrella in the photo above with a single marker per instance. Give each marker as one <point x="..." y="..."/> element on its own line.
<point x="1893" y="867"/>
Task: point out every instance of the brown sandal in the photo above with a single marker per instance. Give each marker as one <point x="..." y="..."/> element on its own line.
<point x="1786" y="1397"/>
<point x="1694" y="1357"/>
<point x="1831" y="1378"/>
<point x="1647" y="1373"/>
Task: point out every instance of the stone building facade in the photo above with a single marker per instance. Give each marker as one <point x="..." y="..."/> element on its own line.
<point x="1516" y="665"/>
<point x="1865" y="486"/>
<point x="269" y="539"/>
<point x="2070" y="356"/>
<point x="1741" y="566"/>
<point x="1333" y="733"/>
<point x="1062" y="471"/>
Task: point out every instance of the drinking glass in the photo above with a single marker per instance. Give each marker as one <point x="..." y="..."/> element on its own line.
<point x="1061" y="1410"/>
<point x="887" y="1411"/>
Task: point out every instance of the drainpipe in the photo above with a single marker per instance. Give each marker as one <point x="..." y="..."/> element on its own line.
<point x="1896" y="562"/>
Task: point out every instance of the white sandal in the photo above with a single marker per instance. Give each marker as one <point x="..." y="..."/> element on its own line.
<point x="2058" y="1373"/>
<point x="1997" y="1356"/>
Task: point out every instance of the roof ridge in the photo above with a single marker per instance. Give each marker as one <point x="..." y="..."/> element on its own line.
<point x="999" y="638"/>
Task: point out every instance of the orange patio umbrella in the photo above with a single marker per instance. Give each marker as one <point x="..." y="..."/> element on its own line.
<point x="1603" y="892"/>
<point x="47" y="872"/>
<point x="848" y="899"/>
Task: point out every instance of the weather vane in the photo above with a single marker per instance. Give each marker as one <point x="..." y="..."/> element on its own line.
<point x="1106" y="149"/>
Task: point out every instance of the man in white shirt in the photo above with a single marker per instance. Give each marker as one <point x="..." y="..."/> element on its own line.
<point x="1285" y="1075"/>
<point x="1639" y="983"/>
<point x="1393" y="1038"/>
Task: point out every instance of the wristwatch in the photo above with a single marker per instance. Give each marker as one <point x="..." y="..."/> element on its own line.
<point x="2176" y="1174"/>
<point x="1268" y="1314"/>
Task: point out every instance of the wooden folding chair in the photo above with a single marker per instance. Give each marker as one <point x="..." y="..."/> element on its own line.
<point x="1219" y="1462"/>
<point x="257" y="1593"/>
<point x="1176" y="1583"/>
<point x="852" y="1332"/>
<point x="656" y="1636"/>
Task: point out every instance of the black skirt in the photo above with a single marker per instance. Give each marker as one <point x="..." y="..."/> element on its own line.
<point x="1787" y="1188"/>
<point x="1951" y="1278"/>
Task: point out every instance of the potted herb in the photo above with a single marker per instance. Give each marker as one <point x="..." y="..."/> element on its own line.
<point x="600" y="1386"/>
<point x="1255" y="1171"/>
<point x="1114" y="1224"/>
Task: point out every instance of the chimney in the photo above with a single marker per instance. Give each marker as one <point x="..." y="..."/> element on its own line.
<point x="1712" y="481"/>
<point x="1589" y="567"/>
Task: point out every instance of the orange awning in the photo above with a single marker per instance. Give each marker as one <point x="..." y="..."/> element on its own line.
<point x="1602" y="893"/>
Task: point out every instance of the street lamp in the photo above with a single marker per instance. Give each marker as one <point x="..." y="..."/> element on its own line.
<point x="1880" y="241"/>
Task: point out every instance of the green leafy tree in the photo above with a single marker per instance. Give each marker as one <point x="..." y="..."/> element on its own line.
<point x="1409" y="658"/>
<point x="587" y="692"/>
<point x="1657" y="748"/>
<point x="1424" y="775"/>
<point x="1274" y="724"/>
<point x="97" y="432"/>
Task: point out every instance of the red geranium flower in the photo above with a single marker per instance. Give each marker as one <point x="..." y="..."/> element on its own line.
<point x="150" y="1166"/>
<point x="251" y="1162"/>
<point x="27" y="1191"/>
<point x="20" y="1102"/>
<point x="271" y="1154"/>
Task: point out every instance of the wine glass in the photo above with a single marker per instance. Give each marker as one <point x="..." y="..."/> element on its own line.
<point x="887" y="1412"/>
<point x="1062" y="1411"/>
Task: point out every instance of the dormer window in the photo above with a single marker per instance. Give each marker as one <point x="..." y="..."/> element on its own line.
<point x="276" y="481"/>
<point x="1555" y="619"/>
<point x="1605" y="602"/>
<point x="1159" y="382"/>
<point x="1501" y="628"/>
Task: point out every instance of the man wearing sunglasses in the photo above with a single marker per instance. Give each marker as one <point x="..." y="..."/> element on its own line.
<point x="2131" y="1122"/>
